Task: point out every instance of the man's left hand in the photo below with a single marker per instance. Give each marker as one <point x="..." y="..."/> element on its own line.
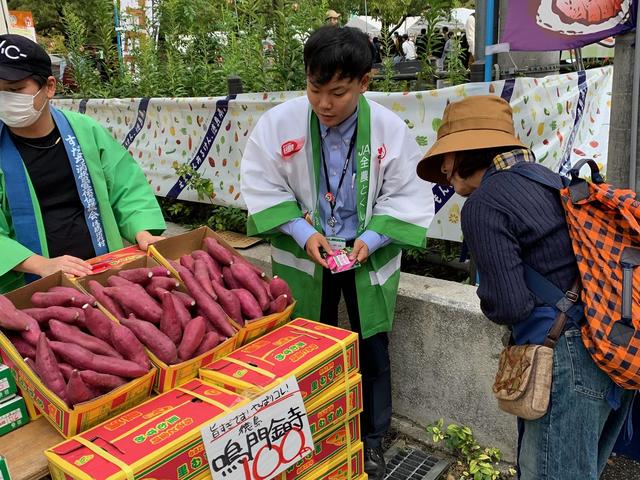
<point x="360" y="251"/>
<point x="144" y="239"/>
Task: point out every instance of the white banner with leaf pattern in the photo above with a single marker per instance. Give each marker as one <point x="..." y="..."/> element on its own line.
<point x="562" y="117"/>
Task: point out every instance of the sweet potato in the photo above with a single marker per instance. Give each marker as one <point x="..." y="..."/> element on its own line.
<point x="98" y="324"/>
<point x="62" y="299"/>
<point x="24" y="348"/>
<point x="163" y="282"/>
<point x="255" y="268"/>
<point x="160" y="271"/>
<point x="48" y="369"/>
<point x="118" y="281"/>
<point x="202" y="276"/>
<point x="248" y="304"/>
<point x="279" y="304"/>
<point x="249" y="280"/>
<point x="212" y="311"/>
<point x="170" y="324"/>
<point x="106" y="301"/>
<point x="83" y="359"/>
<point x="187" y="300"/>
<point x="125" y="342"/>
<point x="141" y="276"/>
<point x="66" y="370"/>
<point x="101" y="381"/>
<point x="68" y="333"/>
<point x="78" y="391"/>
<point x="182" y="313"/>
<point x="192" y="338"/>
<point x="10" y="317"/>
<point x="81" y="298"/>
<point x="32" y="334"/>
<point x="217" y="251"/>
<point x="215" y="272"/>
<point x="187" y="262"/>
<point x="229" y="302"/>
<point x="156" y="341"/>
<point x="32" y="365"/>
<point x="277" y="286"/>
<point x="210" y="341"/>
<point x="137" y="300"/>
<point x="43" y="315"/>
<point x="229" y="280"/>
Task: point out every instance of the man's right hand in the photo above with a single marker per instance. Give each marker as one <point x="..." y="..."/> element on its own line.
<point x="43" y="266"/>
<point x="314" y="247"/>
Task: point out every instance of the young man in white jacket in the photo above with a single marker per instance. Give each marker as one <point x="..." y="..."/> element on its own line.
<point x="330" y="169"/>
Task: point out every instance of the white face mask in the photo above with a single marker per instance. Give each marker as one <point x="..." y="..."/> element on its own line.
<point x="17" y="110"/>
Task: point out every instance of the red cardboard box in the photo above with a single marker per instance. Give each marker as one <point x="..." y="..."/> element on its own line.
<point x="318" y="355"/>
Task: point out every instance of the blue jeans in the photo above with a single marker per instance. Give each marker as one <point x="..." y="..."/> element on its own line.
<point x="574" y="439"/>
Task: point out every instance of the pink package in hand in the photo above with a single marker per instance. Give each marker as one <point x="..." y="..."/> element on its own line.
<point x="339" y="261"/>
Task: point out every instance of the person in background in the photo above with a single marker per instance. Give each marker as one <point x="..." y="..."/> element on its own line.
<point x="438" y="48"/>
<point x="333" y="169"/>
<point x="332" y="18"/>
<point x="470" y="30"/>
<point x="377" y="56"/>
<point x="68" y="190"/>
<point x="511" y="224"/>
<point x="422" y="44"/>
<point x="408" y="48"/>
<point x="399" y="53"/>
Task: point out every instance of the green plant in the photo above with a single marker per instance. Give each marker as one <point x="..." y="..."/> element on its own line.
<point x="474" y="462"/>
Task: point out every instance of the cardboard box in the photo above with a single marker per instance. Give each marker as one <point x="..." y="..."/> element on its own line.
<point x="173" y="248"/>
<point x="13" y="414"/>
<point x="68" y="421"/>
<point x="169" y="376"/>
<point x="337" y="444"/>
<point x="4" y="469"/>
<point x="158" y="439"/>
<point x="7" y="383"/>
<point x="317" y="354"/>
<point x="115" y="259"/>
<point x="338" y="468"/>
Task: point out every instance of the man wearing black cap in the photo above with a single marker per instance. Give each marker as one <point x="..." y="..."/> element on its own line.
<point x="68" y="190"/>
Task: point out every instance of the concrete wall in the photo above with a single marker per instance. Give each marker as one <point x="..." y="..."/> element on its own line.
<point x="444" y="355"/>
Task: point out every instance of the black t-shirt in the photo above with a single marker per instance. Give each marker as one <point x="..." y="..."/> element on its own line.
<point x="62" y="211"/>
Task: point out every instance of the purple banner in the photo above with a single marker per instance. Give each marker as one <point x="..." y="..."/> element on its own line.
<point x="548" y="25"/>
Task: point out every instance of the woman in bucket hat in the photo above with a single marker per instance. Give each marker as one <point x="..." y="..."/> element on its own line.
<point x="511" y="223"/>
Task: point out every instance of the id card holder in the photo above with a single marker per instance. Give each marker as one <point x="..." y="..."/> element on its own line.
<point x="337" y="243"/>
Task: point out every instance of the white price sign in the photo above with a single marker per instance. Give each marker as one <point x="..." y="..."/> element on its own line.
<point x="260" y="439"/>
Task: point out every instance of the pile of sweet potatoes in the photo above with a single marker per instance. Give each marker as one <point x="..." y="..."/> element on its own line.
<point x="235" y="285"/>
<point x="77" y="351"/>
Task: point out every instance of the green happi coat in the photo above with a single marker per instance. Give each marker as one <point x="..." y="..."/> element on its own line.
<point x="125" y="199"/>
<point x="280" y="180"/>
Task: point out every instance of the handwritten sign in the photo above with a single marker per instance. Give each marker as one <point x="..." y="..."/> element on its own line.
<point x="260" y="439"/>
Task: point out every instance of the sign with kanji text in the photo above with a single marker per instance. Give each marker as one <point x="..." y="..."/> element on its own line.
<point x="260" y="439"/>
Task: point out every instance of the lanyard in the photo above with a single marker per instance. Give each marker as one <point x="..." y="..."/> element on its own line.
<point x="330" y="197"/>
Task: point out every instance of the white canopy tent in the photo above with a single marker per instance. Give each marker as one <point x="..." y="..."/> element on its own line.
<point x="367" y="24"/>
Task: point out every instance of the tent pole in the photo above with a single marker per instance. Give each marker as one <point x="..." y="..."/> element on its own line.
<point x="633" y="147"/>
<point x="488" y="59"/>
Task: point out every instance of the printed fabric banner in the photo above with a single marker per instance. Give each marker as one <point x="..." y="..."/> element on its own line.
<point x="563" y="118"/>
<point x="548" y="25"/>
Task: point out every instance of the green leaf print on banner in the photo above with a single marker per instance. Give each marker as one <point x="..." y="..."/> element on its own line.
<point x="435" y="124"/>
<point x="422" y="140"/>
<point x="559" y="106"/>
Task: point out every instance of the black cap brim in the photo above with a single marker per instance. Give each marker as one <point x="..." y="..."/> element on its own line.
<point x="13" y="74"/>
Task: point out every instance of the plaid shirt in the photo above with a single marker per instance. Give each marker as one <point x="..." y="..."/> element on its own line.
<point x="509" y="159"/>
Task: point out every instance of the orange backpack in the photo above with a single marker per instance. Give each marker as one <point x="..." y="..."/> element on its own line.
<point x="604" y="228"/>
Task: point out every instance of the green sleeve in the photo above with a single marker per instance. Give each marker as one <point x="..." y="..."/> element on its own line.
<point x="13" y="253"/>
<point x="133" y="203"/>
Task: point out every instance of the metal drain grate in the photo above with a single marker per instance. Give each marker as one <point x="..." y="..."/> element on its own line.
<point x="409" y="463"/>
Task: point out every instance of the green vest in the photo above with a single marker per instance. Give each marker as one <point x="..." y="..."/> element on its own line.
<point x="125" y="199"/>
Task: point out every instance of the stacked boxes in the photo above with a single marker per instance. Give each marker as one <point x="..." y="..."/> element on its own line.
<point x="7" y="384"/>
<point x="169" y="376"/>
<point x="68" y="421"/>
<point x="173" y="248"/>
<point x="158" y="439"/>
<point x="13" y="414"/>
<point x="324" y="360"/>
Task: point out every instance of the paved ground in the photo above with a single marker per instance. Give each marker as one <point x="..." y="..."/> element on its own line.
<point x="622" y="468"/>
